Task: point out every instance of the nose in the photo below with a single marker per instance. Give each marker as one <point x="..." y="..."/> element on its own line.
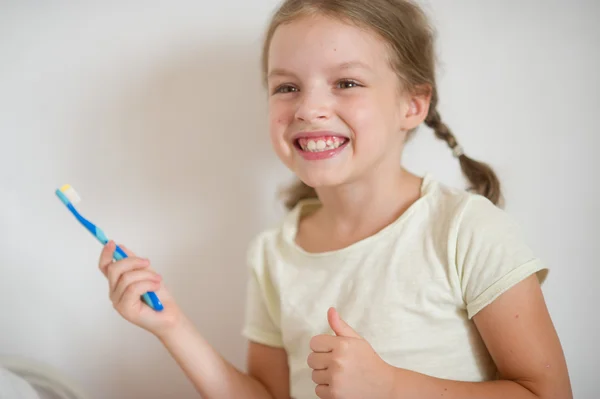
<point x="313" y="105"/>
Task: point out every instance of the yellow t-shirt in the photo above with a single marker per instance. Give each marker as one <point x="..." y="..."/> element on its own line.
<point x="410" y="290"/>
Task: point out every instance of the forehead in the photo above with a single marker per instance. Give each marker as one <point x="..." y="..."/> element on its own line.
<point x="318" y="41"/>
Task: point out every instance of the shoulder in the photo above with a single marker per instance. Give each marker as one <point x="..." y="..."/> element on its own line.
<point x="465" y="212"/>
<point x="473" y="227"/>
<point x="486" y="235"/>
<point x="445" y="206"/>
<point x="481" y="223"/>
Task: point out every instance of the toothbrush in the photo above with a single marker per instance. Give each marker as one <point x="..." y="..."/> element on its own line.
<point x="69" y="196"/>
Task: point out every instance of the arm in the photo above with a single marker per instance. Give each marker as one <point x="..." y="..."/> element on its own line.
<point x="214" y="377"/>
<point x="523" y="343"/>
<point x="269" y="365"/>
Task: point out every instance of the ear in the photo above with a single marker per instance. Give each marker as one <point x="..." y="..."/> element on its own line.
<point x="417" y="107"/>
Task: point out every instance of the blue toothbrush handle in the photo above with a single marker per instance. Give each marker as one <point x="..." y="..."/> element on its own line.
<point x="149" y="297"/>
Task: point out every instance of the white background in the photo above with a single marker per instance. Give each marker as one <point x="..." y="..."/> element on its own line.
<point x="154" y="112"/>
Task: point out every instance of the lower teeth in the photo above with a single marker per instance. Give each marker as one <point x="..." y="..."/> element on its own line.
<point x="324" y="149"/>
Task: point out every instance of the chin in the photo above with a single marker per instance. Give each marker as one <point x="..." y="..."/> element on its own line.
<point x="321" y="181"/>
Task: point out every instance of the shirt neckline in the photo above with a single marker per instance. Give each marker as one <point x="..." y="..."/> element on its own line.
<point x="291" y="223"/>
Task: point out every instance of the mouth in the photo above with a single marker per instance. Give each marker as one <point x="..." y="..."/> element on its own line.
<point x="320" y="143"/>
<point x="316" y="146"/>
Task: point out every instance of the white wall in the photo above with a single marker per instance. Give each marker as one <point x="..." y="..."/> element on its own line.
<point x="155" y="114"/>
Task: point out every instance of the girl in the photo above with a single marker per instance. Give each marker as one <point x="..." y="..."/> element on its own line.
<point x="378" y="283"/>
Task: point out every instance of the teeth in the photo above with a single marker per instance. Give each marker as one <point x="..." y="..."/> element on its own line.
<point x="321" y="145"/>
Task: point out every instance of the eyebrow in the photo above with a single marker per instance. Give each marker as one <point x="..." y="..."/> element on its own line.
<point x="353" y="65"/>
<point x="339" y="67"/>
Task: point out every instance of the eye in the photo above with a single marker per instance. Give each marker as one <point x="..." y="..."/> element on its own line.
<point x="285" y="89"/>
<point x="347" y="84"/>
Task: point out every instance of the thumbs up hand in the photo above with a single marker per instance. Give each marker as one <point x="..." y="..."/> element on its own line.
<point x="345" y="366"/>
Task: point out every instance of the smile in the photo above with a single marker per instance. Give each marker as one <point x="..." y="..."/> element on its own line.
<point x="320" y="144"/>
<point x="320" y="147"/>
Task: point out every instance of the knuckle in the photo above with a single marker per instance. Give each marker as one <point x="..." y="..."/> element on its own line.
<point x="131" y="290"/>
<point x="335" y="391"/>
<point x="344" y="345"/>
<point x="338" y="363"/>
<point x="110" y="268"/>
<point x="142" y="261"/>
<point x="112" y="275"/>
<point x="314" y="341"/>
<point x="129" y="278"/>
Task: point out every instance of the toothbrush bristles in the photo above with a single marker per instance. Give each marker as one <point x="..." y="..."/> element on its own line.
<point x="70" y="193"/>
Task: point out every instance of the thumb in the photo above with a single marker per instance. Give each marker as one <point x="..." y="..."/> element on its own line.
<point x="339" y="326"/>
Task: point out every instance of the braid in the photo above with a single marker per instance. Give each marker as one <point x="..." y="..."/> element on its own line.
<point x="482" y="178"/>
<point x="442" y="132"/>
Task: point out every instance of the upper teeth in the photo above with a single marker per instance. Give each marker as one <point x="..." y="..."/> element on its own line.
<point x="320" y="145"/>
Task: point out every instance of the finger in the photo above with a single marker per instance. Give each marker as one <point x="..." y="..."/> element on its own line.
<point x="130" y="278"/>
<point x="127" y="251"/>
<point x="115" y="270"/>
<point x="323" y="343"/>
<point x="321" y="377"/>
<point x="318" y="361"/>
<point x="131" y="296"/>
<point x="106" y="256"/>
<point x="323" y="391"/>
<point x="339" y="326"/>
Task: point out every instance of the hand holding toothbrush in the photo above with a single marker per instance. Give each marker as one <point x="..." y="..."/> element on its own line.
<point x="128" y="279"/>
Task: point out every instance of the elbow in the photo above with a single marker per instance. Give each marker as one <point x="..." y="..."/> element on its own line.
<point x="555" y="387"/>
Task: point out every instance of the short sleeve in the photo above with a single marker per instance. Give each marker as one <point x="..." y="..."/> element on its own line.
<point x="262" y="301"/>
<point x="491" y="254"/>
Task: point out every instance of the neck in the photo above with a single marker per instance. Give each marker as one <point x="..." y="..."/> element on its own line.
<point x="361" y="208"/>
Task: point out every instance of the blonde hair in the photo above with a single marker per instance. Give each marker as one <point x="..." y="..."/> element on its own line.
<point x="405" y="28"/>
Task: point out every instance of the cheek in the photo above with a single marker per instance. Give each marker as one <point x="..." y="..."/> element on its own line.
<point x="280" y="117"/>
<point x="363" y="116"/>
<point x="372" y="123"/>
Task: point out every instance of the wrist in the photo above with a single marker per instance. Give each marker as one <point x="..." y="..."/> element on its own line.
<point x="176" y="330"/>
<point x="394" y="382"/>
<point x="403" y="383"/>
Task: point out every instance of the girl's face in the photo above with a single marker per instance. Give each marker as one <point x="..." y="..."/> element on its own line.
<point x="336" y="110"/>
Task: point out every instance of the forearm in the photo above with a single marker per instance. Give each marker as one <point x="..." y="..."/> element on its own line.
<point x="426" y="387"/>
<point x="210" y="373"/>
